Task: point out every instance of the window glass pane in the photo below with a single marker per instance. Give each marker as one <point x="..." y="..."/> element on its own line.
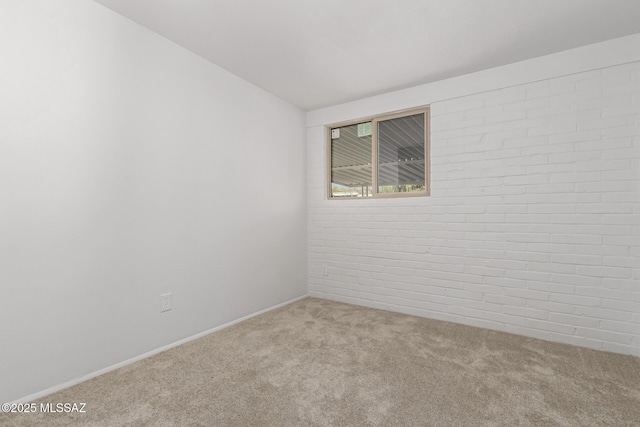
<point x="401" y="154"/>
<point x="351" y="171"/>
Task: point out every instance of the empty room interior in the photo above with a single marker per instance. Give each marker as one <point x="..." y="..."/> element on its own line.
<point x="320" y="212"/>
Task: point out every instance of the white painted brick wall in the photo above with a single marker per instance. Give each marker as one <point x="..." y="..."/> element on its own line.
<point x="532" y="226"/>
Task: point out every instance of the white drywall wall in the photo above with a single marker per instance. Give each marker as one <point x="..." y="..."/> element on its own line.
<point x="130" y="167"/>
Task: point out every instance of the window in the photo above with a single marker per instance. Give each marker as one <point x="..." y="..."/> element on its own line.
<point x="385" y="156"/>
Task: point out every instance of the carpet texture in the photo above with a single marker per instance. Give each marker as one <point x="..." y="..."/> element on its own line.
<point x="323" y="363"/>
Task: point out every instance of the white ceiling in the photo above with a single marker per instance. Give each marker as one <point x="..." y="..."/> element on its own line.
<point x="317" y="53"/>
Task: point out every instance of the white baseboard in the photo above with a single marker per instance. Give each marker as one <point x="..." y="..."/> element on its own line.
<point x="97" y="373"/>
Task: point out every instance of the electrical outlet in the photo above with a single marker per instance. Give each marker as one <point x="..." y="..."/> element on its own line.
<point x="165" y="302"/>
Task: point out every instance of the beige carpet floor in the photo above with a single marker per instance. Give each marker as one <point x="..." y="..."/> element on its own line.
<point x="322" y="363"/>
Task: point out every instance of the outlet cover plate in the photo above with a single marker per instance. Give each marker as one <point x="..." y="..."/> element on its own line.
<point x="165" y="302"/>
